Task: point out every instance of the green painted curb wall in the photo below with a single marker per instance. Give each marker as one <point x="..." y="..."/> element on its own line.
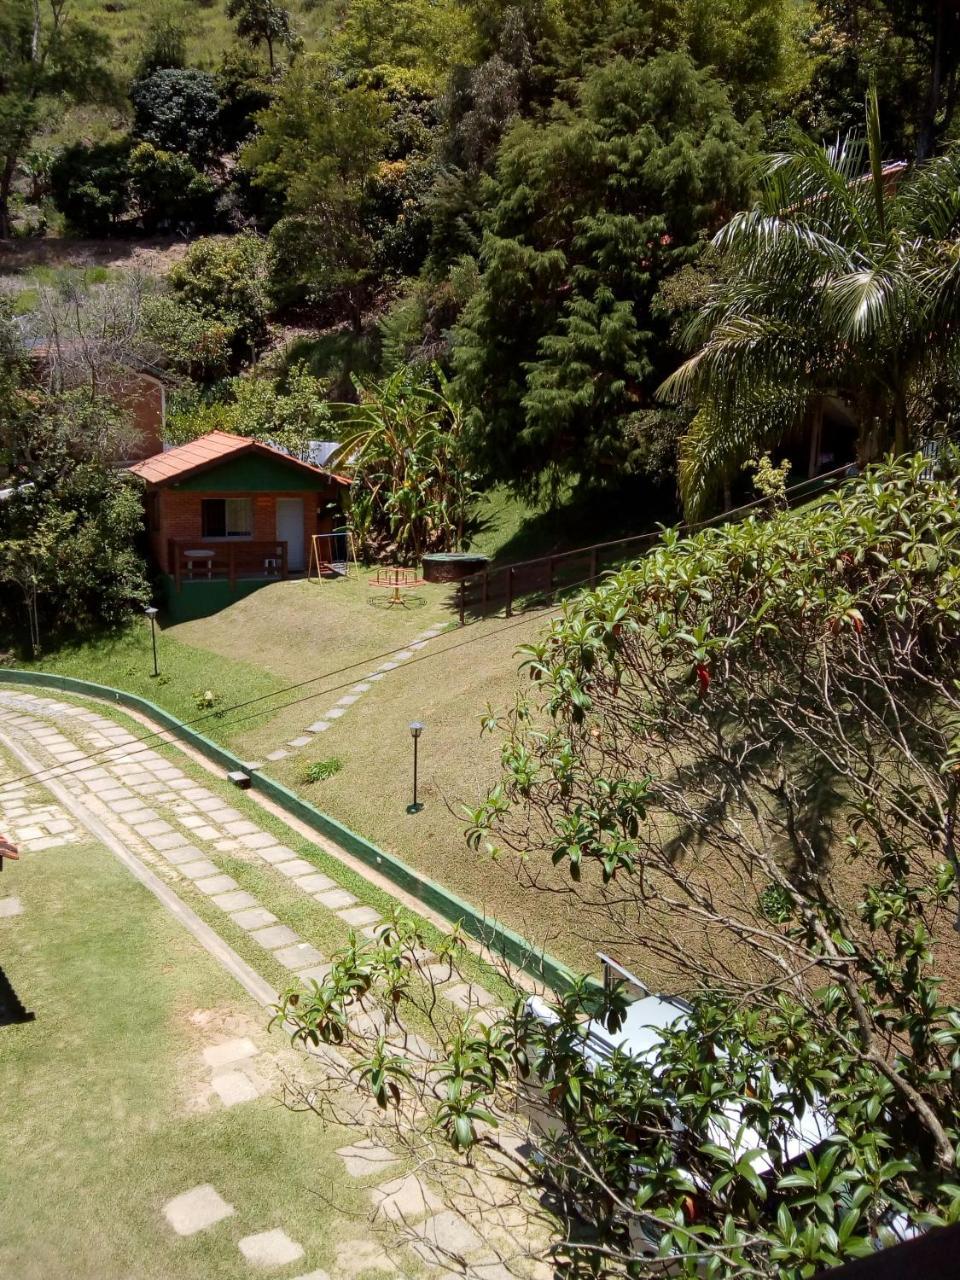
<point x="497" y="937"/>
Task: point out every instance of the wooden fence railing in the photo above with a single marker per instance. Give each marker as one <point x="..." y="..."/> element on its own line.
<point x="532" y="582"/>
<point x="197" y="559"/>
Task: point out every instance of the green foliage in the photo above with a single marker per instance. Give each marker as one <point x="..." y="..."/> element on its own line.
<point x="69" y="562"/>
<point x="318" y="145"/>
<point x="245" y="89"/>
<point x="194" y="344"/>
<point x="46" y="57"/>
<point x="834" y="284"/>
<point x="264" y="22"/>
<point x="320" y="770"/>
<point x="90" y="185"/>
<point x="410" y="42"/>
<point x="559" y="347"/>
<point x="178" y="110"/>
<point x="412" y="488"/>
<point x="745" y="745"/>
<point x="170" y="193"/>
<point x="285" y="414"/>
<point x="164" y="46"/>
<point x="224" y="279"/>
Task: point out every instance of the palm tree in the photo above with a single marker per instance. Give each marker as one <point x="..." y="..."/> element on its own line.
<point x="843" y="280"/>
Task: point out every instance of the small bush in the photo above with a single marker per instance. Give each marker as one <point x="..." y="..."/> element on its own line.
<point x="320" y="770"/>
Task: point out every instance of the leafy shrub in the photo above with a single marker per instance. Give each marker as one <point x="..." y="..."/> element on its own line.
<point x="178" y="111"/>
<point x="208" y="700"/>
<point x="225" y="279"/>
<point x="244" y="90"/>
<point x="320" y="770"/>
<point x="90" y="185"/>
<point x="170" y="192"/>
<point x="164" y="46"/>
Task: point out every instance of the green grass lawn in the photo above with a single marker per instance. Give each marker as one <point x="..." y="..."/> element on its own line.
<point x="106" y="1113"/>
<point x="289" y="632"/>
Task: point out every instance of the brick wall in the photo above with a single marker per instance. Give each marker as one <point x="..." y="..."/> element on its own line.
<point x="176" y="513"/>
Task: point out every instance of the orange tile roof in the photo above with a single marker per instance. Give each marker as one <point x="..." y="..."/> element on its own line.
<point x="206" y="451"/>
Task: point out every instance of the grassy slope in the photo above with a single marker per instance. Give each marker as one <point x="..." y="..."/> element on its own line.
<point x="209" y="30"/>
<point x="101" y="1122"/>
<point x="287" y="633"/>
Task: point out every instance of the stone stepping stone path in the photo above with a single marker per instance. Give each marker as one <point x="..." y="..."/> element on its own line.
<point x="342" y="705"/>
<point x="196" y="1210"/>
<point x="271" y="1249"/>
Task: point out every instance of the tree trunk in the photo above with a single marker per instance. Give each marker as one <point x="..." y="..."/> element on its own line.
<point x="926" y="134"/>
<point x="269" y="40"/>
<point x="6" y="182"/>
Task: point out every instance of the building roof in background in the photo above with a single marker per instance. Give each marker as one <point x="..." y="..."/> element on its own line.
<point x="207" y="451"/>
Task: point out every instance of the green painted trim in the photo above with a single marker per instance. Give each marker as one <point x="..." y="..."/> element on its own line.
<point x="494" y="935"/>
<point x="256" y="473"/>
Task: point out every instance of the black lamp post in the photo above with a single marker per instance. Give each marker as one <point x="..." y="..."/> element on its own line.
<point x="415" y="731"/>
<point x="152" y="615"/>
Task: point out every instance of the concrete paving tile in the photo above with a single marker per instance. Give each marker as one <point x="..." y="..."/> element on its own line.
<point x="236" y="901"/>
<point x="254" y="918"/>
<point x="195" y="1210"/>
<point x="319" y="726"/>
<point x="299" y="742"/>
<point x="295" y="867"/>
<point x="366" y="1157"/>
<point x="198" y="870"/>
<point x="404" y="1200"/>
<point x="360" y="688"/>
<point x="240" y="827"/>
<point x="334" y="713"/>
<point x="257" y="840"/>
<point x="276" y="853"/>
<point x="315" y="974"/>
<point x="445" y="1234"/>
<point x="335" y="899"/>
<point x="220" y="1055"/>
<point x="10" y="907"/>
<point x="233" y="1087"/>
<point x="270" y="1249"/>
<point x="183" y="853"/>
<point x="277" y="935"/>
<point x="278" y="755"/>
<point x="206" y="833"/>
<point x="314" y="883"/>
<point x="465" y="996"/>
<point x="348" y="700"/>
<point x="170" y="840"/>
<point x="298" y="956"/>
<point x="216" y="885"/>
<point x="357" y="916"/>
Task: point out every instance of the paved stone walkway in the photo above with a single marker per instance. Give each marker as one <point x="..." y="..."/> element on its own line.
<point x="340" y="708"/>
<point x="180" y="829"/>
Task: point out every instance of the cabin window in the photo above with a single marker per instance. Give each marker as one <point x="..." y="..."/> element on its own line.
<point x="226" y="517"/>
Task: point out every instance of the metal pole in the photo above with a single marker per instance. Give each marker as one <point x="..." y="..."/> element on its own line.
<point x="153" y="634"/>
<point x="416" y="743"/>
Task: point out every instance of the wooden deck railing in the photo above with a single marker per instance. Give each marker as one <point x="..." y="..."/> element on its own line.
<point x="513" y="587"/>
<point x="229" y="558"/>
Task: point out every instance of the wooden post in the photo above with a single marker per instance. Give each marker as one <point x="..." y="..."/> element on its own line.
<point x="593" y="566"/>
<point x="510" y="592"/>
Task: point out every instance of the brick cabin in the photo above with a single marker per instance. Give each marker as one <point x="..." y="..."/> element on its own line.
<point x="226" y="514"/>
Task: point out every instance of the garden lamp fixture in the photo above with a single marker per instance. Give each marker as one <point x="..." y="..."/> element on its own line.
<point x="152" y="615"/>
<point x="415" y="731"/>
